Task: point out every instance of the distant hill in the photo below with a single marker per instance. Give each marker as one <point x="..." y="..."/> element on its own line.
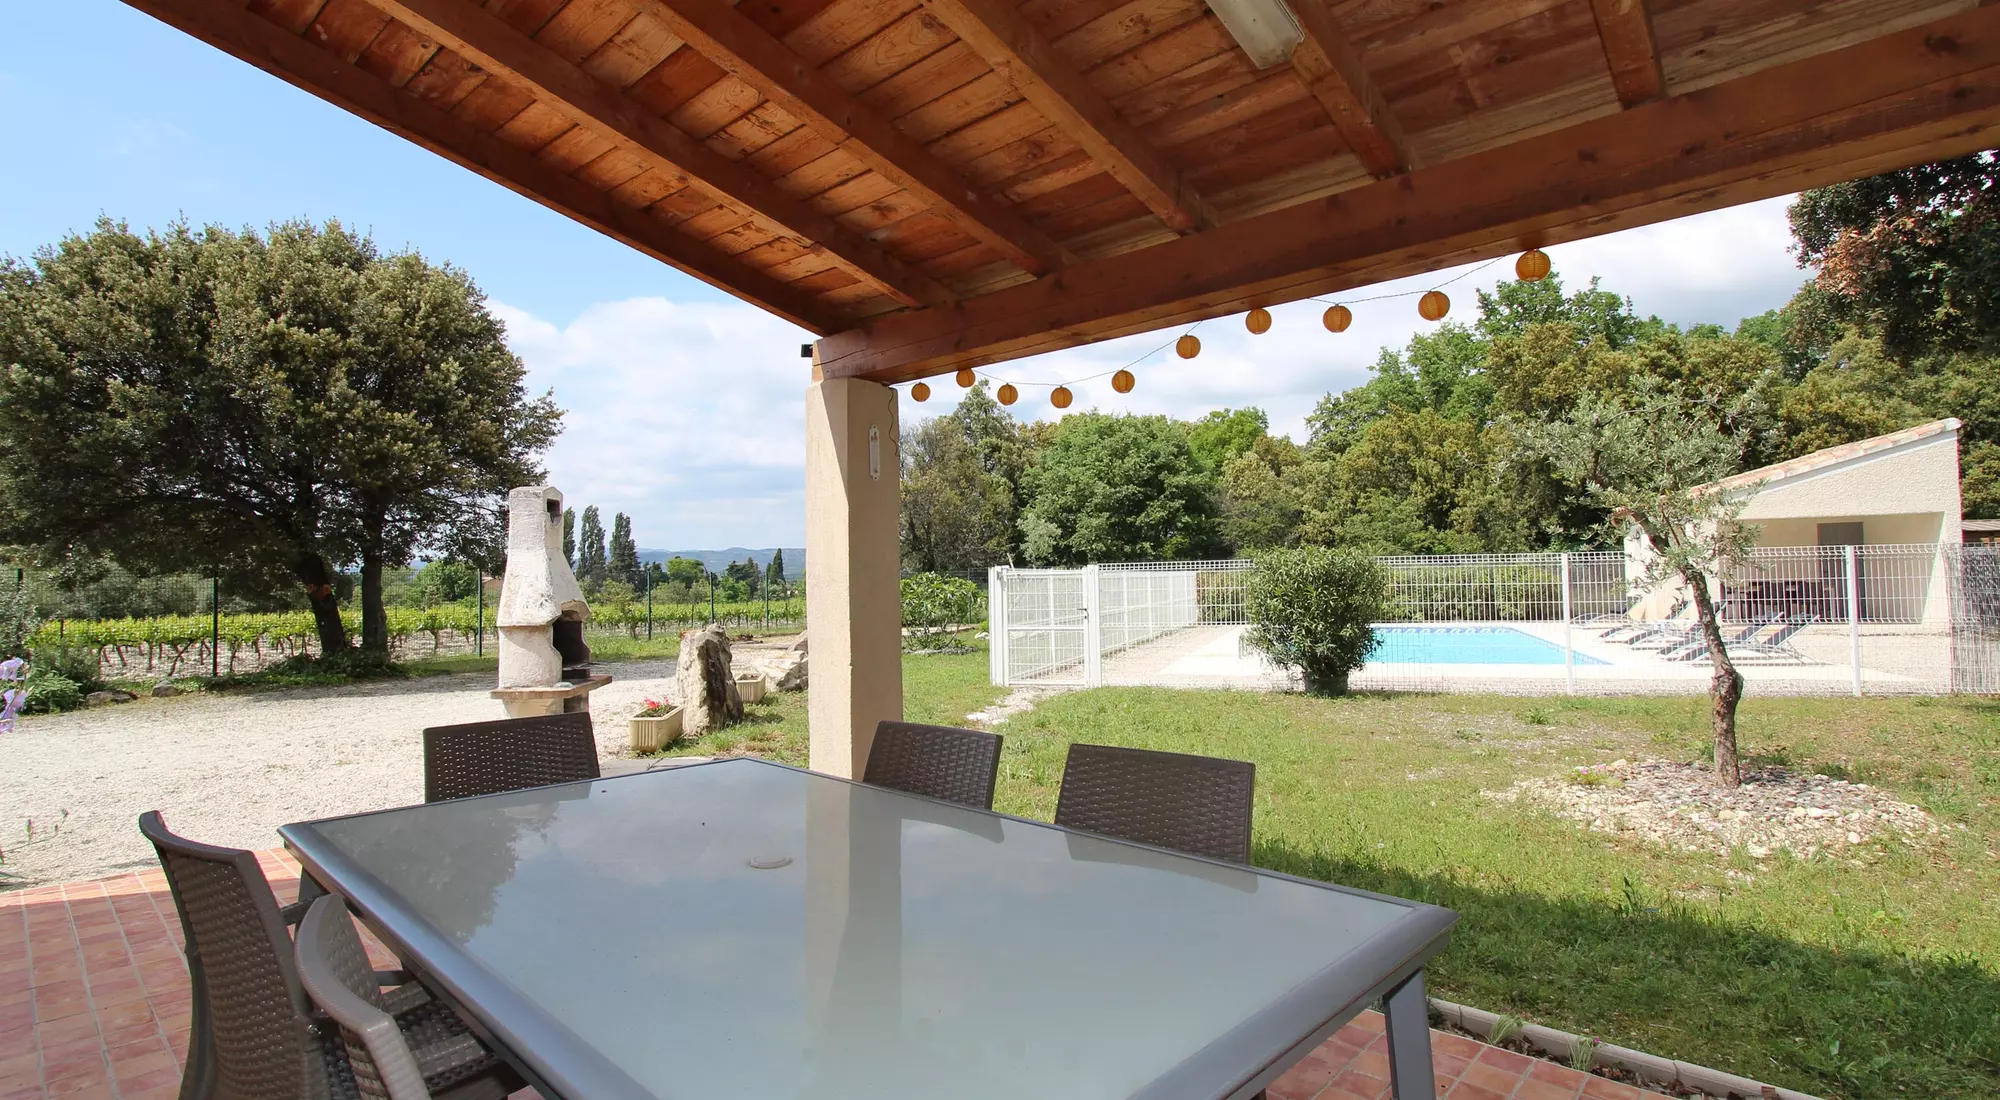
<point x="715" y="560"/>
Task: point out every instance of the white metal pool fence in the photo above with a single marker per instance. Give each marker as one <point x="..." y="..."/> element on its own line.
<point x="1906" y="619"/>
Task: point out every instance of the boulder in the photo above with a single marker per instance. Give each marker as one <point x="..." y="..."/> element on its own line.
<point x="167" y="689"/>
<point x="104" y="698"/>
<point x="705" y="682"/>
<point x="787" y="671"/>
<point x="798" y="644"/>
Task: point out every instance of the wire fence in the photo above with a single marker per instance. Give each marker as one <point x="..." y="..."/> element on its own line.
<point x="1891" y="619"/>
<point x="144" y="627"/>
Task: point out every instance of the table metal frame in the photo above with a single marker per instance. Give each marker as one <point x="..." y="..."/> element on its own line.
<point x="562" y="1066"/>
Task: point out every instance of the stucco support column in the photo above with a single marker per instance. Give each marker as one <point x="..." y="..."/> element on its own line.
<point x="854" y="609"/>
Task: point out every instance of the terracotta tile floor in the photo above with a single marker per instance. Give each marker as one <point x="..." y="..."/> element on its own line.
<point x="94" y="1005"/>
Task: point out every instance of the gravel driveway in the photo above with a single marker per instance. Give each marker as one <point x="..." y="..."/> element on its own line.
<point x="230" y="768"/>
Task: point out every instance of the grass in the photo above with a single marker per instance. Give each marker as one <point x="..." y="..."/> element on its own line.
<point x="937" y="687"/>
<point x="1845" y="981"/>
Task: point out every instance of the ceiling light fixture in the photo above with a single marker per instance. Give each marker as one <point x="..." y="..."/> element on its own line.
<point x="1266" y="29"/>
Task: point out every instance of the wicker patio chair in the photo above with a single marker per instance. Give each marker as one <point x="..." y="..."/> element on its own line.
<point x="253" y="1036"/>
<point x="1194" y="804"/>
<point x="943" y="762"/>
<point x="510" y="754"/>
<point x="334" y="969"/>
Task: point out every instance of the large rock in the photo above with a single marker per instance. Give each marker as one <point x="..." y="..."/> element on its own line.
<point x="167" y="689"/>
<point x="105" y="698"/>
<point x="787" y="671"/>
<point x="706" y="683"/>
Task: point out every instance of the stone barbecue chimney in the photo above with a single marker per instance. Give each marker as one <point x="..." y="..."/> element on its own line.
<point x="544" y="662"/>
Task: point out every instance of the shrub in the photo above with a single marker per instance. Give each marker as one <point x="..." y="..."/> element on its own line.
<point x="1433" y="592"/>
<point x="934" y="603"/>
<point x="339" y="667"/>
<point x="78" y="665"/>
<point x="1311" y="609"/>
<point x="50" y="691"/>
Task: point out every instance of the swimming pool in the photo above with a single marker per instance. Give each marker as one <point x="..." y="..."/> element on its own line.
<point x="1465" y="645"/>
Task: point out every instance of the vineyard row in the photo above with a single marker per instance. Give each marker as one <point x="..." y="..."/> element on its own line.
<point x="174" y="640"/>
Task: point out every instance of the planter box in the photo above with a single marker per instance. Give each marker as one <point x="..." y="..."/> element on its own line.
<point x="654" y="734"/>
<point x="751" y="685"/>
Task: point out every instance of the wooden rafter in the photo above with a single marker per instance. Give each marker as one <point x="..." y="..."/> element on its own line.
<point x="737" y="44"/>
<point x="489" y="42"/>
<point x="232" y="28"/>
<point x="1627" y="30"/>
<point x="1929" y="92"/>
<point x="1333" y="72"/>
<point x="998" y="32"/>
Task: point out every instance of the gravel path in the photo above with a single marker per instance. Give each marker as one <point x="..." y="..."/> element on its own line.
<point x="230" y="768"/>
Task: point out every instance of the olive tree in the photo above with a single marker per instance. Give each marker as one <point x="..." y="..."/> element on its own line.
<point x="1652" y="458"/>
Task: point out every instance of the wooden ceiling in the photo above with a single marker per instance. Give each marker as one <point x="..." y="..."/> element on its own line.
<point x="930" y="184"/>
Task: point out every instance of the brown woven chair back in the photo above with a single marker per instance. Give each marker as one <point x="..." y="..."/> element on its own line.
<point x="261" y="1042"/>
<point x="945" y="762"/>
<point x="508" y="755"/>
<point x="1195" y="804"/>
<point x="334" y="968"/>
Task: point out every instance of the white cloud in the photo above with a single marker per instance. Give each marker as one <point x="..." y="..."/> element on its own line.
<point x="690" y="416"/>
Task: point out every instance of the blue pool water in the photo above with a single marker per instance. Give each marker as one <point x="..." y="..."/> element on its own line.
<point x="1466" y="645"/>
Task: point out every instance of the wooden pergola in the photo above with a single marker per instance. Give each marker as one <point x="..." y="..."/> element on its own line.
<point x="935" y="184"/>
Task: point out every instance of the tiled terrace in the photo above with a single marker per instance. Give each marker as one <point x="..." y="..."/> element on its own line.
<point x="94" y="1005"/>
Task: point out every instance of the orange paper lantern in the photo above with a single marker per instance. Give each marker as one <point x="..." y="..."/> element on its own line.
<point x="1532" y="266"/>
<point x="1187" y="347"/>
<point x="966" y="377"/>
<point x="1337" y="318"/>
<point x="1258" y="321"/>
<point x="1433" y="305"/>
<point x="920" y="392"/>
<point x="1060" y="397"/>
<point x="1123" y="381"/>
<point x="1008" y="393"/>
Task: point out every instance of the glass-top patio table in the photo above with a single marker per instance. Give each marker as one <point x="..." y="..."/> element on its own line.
<point x="746" y="929"/>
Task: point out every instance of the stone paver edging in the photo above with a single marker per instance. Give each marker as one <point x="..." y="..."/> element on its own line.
<point x="1648" y="1067"/>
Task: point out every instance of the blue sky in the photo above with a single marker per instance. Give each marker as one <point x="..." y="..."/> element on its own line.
<point x="685" y="407"/>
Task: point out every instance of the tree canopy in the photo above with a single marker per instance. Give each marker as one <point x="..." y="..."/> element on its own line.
<point x="1912" y="256"/>
<point x="1118" y="488"/>
<point x="592" y="559"/>
<point x="293" y="401"/>
<point x="621" y="561"/>
<point x="960" y="479"/>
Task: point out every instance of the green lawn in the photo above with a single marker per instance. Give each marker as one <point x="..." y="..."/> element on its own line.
<point x="1852" y="982"/>
<point x="936" y="688"/>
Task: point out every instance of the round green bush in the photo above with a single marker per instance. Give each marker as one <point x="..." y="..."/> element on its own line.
<point x="1312" y="609"/>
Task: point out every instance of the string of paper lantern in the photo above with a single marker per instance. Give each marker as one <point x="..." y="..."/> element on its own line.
<point x="1432" y="305"/>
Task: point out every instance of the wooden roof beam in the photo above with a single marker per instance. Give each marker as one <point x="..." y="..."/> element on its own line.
<point x="232" y="28"/>
<point x="1333" y="73"/>
<point x="1928" y="92"/>
<point x="733" y="41"/>
<point x="489" y="42"/>
<point x="1629" y="47"/>
<point x="998" y="32"/>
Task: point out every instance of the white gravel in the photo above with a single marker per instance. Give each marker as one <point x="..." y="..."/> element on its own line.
<point x="230" y="768"/>
<point x="1677" y="805"/>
